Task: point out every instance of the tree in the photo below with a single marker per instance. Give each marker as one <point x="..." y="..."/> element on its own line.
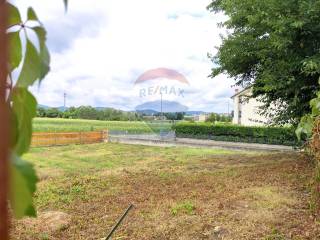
<point x="70" y="113"/>
<point x="274" y="47"/>
<point x="180" y="115"/>
<point x="212" y="118"/>
<point x="174" y="116"/>
<point x="53" y="113"/>
<point x="88" y="112"/>
<point x="41" y="112"/>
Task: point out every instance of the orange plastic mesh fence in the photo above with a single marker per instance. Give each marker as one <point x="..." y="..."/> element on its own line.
<point x="65" y="138"/>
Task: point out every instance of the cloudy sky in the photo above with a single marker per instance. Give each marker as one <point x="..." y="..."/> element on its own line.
<point x="100" y="47"/>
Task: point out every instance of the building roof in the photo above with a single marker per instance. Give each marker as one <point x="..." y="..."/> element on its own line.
<point x="241" y="92"/>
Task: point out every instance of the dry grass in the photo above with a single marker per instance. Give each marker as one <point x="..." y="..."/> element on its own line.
<point x="178" y="193"/>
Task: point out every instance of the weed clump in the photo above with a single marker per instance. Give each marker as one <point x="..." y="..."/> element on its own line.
<point x="183" y="207"/>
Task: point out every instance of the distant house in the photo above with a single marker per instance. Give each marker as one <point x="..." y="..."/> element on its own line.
<point x="200" y="118"/>
<point x="246" y="110"/>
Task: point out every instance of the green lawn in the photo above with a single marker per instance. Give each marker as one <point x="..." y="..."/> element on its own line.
<point x="178" y="193"/>
<point x="66" y="125"/>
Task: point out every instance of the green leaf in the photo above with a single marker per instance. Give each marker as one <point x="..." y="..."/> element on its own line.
<point x="24" y="106"/>
<point x="297" y="24"/>
<point x="305" y="126"/>
<point x="15" y="50"/>
<point x="14" y="129"/>
<point x="315" y="105"/>
<point x="14" y="15"/>
<point x="42" y="35"/>
<point x="23" y="181"/>
<point x="44" y="52"/>
<point x="31" y="69"/>
<point x="26" y="169"/>
<point x="45" y="62"/>
<point x="32" y="15"/>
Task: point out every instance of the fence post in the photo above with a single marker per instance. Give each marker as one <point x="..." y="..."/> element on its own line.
<point x="80" y="134"/>
<point x="55" y="138"/>
<point x="106" y="136"/>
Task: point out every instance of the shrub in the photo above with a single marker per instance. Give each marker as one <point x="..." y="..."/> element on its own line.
<point x="236" y="133"/>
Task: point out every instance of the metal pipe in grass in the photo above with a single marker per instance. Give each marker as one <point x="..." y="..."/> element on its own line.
<point x="115" y="227"/>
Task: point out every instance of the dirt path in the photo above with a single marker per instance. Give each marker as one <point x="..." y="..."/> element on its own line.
<point x="188" y="142"/>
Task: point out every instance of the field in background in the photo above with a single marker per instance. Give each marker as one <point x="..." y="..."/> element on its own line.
<point x="76" y="125"/>
<point x="178" y="193"/>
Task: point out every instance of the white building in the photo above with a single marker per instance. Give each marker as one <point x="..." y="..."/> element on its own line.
<point x="200" y="118"/>
<point x="246" y="110"/>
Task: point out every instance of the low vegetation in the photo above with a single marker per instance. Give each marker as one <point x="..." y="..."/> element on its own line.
<point x="225" y="132"/>
<point x="186" y="207"/>
<point x="178" y="193"/>
<point x="214" y="131"/>
<point x="104" y="114"/>
<point x="66" y="125"/>
<point x="88" y="112"/>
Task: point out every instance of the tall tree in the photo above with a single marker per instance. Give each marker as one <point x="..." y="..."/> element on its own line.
<point x="272" y="46"/>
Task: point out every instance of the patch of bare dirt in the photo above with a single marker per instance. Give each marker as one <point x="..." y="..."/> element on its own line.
<point x="47" y="223"/>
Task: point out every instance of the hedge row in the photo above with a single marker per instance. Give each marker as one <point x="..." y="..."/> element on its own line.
<point x="236" y="133"/>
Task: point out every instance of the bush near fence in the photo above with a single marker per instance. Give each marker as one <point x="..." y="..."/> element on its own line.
<point x="313" y="148"/>
<point x="236" y="133"/>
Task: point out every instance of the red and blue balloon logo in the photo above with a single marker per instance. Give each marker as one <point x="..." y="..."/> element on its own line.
<point x="161" y="89"/>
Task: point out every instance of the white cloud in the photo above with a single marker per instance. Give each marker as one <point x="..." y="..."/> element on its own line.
<point x="99" y="48"/>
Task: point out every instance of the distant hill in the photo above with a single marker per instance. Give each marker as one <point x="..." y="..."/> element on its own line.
<point x="43" y="106"/>
<point x="61" y="108"/>
<point x="147" y="112"/>
<point x="167" y="106"/>
<point x="148" y="108"/>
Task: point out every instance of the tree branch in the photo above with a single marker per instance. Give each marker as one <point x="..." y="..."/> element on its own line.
<point x="4" y="124"/>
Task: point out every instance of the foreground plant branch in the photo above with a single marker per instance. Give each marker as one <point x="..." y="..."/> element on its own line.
<point x="18" y="108"/>
<point x="4" y="124"/>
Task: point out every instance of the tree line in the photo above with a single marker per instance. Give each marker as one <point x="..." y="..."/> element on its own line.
<point x="110" y="114"/>
<point x="215" y="117"/>
<point x="88" y="112"/>
<point x="105" y="114"/>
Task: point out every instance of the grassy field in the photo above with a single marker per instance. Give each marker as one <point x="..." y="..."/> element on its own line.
<point x="178" y="193"/>
<point x="67" y="125"/>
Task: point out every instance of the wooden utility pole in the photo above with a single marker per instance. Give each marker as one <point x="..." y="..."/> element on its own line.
<point x="161" y="107"/>
<point x="4" y="124"/>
